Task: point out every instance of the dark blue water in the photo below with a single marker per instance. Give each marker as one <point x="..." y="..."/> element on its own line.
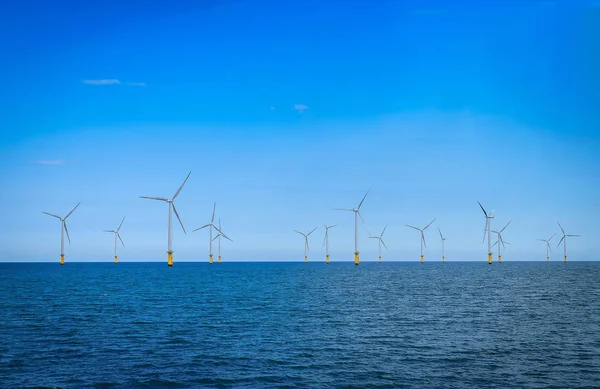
<point x="297" y="325"/>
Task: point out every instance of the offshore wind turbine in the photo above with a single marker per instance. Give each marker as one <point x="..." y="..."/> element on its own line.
<point x="500" y="241"/>
<point x="306" y="248"/>
<point x="564" y="237"/>
<point x="210" y="226"/>
<point x="63" y="221"/>
<point x="548" y="249"/>
<point x="356" y="216"/>
<point x="422" y="237"/>
<point x="116" y="232"/>
<point x="326" y="241"/>
<point x="219" y="235"/>
<point x="488" y="226"/>
<point x="443" y="239"/>
<point x="380" y="237"/>
<point x="171" y="207"/>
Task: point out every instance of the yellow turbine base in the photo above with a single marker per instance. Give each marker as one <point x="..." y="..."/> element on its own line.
<point x="490" y="258"/>
<point x="170" y="259"/>
<point x="305" y="259"/>
<point x="443" y="259"/>
<point x="62" y="259"/>
<point x="219" y="260"/>
<point x="547" y="259"/>
<point x="379" y="259"/>
<point x="565" y="258"/>
<point x="499" y="258"/>
<point x="210" y="260"/>
<point x="327" y="259"/>
<point x="422" y="259"/>
<point x="356" y="259"/>
<point x="116" y="259"/>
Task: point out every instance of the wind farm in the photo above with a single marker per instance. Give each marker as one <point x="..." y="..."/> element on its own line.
<point x="63" y="229"/>
<point x="422" y="231"/>
<point x="210" y="226"/>
<point x="117" y="235"/>
<point x="172" y="209"/>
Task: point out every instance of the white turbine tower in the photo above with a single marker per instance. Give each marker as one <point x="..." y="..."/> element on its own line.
<point x="422" y="237"/>
<point x="356" y="216"/>
<point x="171" y="207"/>
<point x="326" y="241"/>
<point x="443" y="239"/>
<point x="548" y="249"/>
<point x="306" y="248"/>
<point x="211" y="225"/>
<point x="117" y="235"/>
<point x="63" y="222"/>
<point x="564" y="237"/>
<point x="500" y="241"/>
<point x="488" y="226"/>
<point x="380" y="237"/>
<point x="219" y="235"/>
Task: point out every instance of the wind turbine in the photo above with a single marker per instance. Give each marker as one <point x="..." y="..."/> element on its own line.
<point x="380" y="237"/>
<point x="63" y="221"/>
<point x="306" y="248"/>
<point x="116" y="232"/>
<point x="211" y="226"/>
<point x="326" y="241"/>
<point x="500" y="241"/>
<point x="219" y="235"/>
<point x="443" y="239"/>
<point x="171" y="206"/>
<point x="422" y="237"/>
<point x="488" y="218"/>
<point x="564" y="237"/>
<point x="356" y="215"/>
<point x="548" y="249"/>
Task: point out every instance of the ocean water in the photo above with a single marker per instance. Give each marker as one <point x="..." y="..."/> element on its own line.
<point x="300" y="325"/>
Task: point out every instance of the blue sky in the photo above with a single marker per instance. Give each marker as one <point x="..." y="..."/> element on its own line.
<point x="285" y="110"/>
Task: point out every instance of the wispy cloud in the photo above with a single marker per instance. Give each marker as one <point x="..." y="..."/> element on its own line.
<point x="49" y="162"/>
<point x="300" y="107"/>
<point x="112" y="81"/>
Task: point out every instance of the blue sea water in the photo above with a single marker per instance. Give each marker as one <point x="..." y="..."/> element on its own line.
<point x="300" y="325"/>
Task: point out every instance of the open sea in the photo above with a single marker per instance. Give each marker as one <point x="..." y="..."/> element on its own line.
<point x="300" y="325"/>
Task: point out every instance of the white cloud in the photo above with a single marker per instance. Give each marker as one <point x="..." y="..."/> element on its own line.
<point x="108" y="81"/>
<point x="129" y="83"/>
<point x="300" y="107"/>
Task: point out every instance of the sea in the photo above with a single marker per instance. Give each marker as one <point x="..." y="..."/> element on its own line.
<point x="300" y="325"/>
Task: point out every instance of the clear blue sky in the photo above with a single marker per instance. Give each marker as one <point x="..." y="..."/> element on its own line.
<point x="285" y="110"/>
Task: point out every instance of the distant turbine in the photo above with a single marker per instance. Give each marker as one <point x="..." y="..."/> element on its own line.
<point x="422" y="237"/>
<point x="488" y="226"/>
<point x="380" y="237"/>
<point x="564" y="237"/>
<point x="356" y="215"/>
<point x="171" y="206"/>
<point x="443" y="239"/>
<point x="210" y="239"/>
<point x="306" y="248"/>
<point x="64" y="229"/>
<point x="326" y="241"/>
<point x="500" y="241"/>
<point x="219" y="235"/>
<point x="116" y="232"/>
<point x="548" y="249"/>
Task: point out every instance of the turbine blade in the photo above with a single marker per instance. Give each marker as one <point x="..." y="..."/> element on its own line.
<point x="550" y="248"/>
<point x="382" y="232"/>
<point x="121" y="224"/>
<point x="299" y="232"/>
<point x="363" y="199"/>
<point x="213" y="216"/>
<point x="363" y="221"/>
<point x="494" y="243"/>
<point x="429" y="224"/>
<point x="177" y="214"/>
<point x="181" y="187"/>
<point x="69" y="214"/>
<point x="67" y="231"/>
<point x="383" y="243"/>
<point x="551" y="237"/>
<point x="58" y="217"/>
<point x="408" y="225"/>
<point x="120" y="239"/>
<point x="108" y="231"/>
<point x="561" y="239"/>
<point x="563" y="231"/>
<point x="484" y="212"/>
<point x="199" y="228"/>
<point x="573" y="235"/>
<point x="218" y="230"/>
<point x="219" y="223"/>
<point x="505" y="226"/>
<point x="423" y="238"/>
<point x="154" y="198"/>
<point x="228" y="238"/>
<point x="343" y="209"/>
<point x="313" y="230"/>
<point x="307" y="246"/>
<point x="441" y="236"/>
<point x="216" y="236"/>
